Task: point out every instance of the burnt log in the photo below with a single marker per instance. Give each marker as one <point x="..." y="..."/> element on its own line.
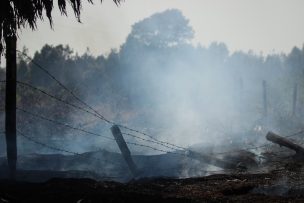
<point x="282" y="141"/>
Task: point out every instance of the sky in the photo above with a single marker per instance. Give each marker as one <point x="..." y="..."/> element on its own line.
<point x="263" y="26"/>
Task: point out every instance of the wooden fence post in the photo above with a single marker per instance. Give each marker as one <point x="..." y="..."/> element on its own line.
<point x="240" y="96"/>
<point x="265" y="99"/>
<point x="10" y="104"/>
<point x="124" y="150"/>
<point x="294" y="100"/>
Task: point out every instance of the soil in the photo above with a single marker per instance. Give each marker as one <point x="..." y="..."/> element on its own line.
<point x="280" y="185"/>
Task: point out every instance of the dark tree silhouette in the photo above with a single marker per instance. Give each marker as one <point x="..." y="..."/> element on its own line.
<point x="15" y="14"/>
<point x="166" y="29"/>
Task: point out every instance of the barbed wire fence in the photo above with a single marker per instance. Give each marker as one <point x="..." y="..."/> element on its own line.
<point x="166" y="144"/>
<point x="167" y="147"/>
<point x="98" y="114"/>
<point x="127" y="134"/>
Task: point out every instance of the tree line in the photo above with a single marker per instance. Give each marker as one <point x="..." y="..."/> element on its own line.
<point x="156" y="72"/>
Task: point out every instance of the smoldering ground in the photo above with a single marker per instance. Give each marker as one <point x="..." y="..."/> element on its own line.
<point x="204" y="98"/>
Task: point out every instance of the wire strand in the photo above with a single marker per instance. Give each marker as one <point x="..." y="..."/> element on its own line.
<point x="46" y="145"/>
<point x="63" y="124"/>
<point x="92" y="133"/>
<point x="55" y="148"/>
<point x="147" y="140"/>
<point x="83" y="130"/>
<point x="82" y="109"/>
<point x="89" y="106"/>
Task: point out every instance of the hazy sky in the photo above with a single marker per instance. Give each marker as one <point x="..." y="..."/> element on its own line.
<point x="259" y="25"/>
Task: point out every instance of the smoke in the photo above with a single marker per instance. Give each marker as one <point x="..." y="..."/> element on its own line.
<point x="159" y="83"/>
<point x="191" y="100"/>
<point x="204" y="98"/>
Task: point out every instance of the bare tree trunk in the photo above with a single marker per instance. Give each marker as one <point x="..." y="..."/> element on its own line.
<point x="10" y="104"/>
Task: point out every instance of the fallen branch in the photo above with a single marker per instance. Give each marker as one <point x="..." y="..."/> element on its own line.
<point x="285" y="142"/>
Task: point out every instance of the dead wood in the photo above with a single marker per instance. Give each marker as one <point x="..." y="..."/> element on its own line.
<point x="282" y="141"/>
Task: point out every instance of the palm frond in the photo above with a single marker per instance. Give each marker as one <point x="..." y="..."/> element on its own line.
<point x="15" y="14"/>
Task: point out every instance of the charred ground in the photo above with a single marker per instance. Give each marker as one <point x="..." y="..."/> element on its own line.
<point x="276" y="186"/>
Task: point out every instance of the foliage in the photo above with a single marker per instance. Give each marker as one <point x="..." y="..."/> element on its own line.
<point x="165" y="29"/>
<point x="15" y="14"/>
<point x="148" y="82"/>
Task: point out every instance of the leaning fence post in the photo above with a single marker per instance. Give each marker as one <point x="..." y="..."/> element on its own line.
<point x="240" y="97"/>
<point x="265" y="98"/>
<point x="294" y="101"/>
<point x="124" y="150"/>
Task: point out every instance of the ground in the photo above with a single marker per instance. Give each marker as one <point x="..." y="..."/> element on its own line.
<point x="274" y="175"/>
<point x="280" y="185"/>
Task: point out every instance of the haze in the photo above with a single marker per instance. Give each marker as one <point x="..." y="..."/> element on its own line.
<point x="259" y="25"/>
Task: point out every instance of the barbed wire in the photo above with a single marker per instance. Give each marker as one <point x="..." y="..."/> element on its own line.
<point x="56" y="98"/>
<point x="260" y="146"/>
<point x="156" y="149"/>
<point x="92" y="133"/>
<point x="147" y="140"/>
<point x="89" y="106"/>
<point x="136" y="144"/>
<point x="219" y="153"/>
<point x="46" y="145"/>
<point x="131" y="143"/>
<point x="296" y="133"/>
<point x="60" y="84"/>
<point x="57" y="148"/>
<point x="79" y="154"/>
<point x="157" y="140"/>
<point x="76" y="153"/>
<point x="96" y="114"/>
<point x="141" y="145"/>
<point x="63" y="124"/>
<point x="77" y="107"/>
<point x="90" y="110"/>
<point x="83" y="130"/>
<point x="100" y="116"/>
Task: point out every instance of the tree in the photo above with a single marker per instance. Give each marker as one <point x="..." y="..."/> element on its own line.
<point x="155" y="39"/>
<point x="165" y="29"/>
<point x="15" y="14"/>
